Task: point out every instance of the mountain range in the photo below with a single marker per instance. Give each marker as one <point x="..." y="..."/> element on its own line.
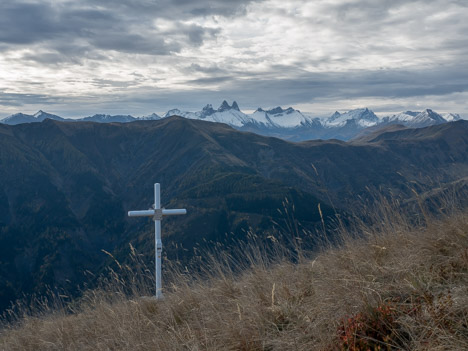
<point x="289" y="124"/>
<point x="65" y="189"/>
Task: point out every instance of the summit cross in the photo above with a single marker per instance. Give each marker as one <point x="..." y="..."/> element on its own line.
<point x="157" y="213"/>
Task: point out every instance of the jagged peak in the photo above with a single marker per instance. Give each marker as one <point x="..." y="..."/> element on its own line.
<point x="172" y="112"/>
<point x="224" y="106"/>
<point x="335" y="114"/>
<point x="235" y="106"/>
<point x="429" y="112"/>
<point x="207" y="110"/>
<point x="275" y="110"/>
<point x="411" y="113"/>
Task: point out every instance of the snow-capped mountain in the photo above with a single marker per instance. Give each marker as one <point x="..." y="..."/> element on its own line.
<point x="224" y="114"/>
<point x="18" y="118"/>
<point x="151" y="117"/>
<point x="101" y="118"/>
<point x="185" y="114"/>
<point x="427" y="118"/>
<point x="419" y="119"/>
<point x="39" y="116"/>
<point x="362" y="117"/>
<point x="451" y="117"/>
<point x="403" y="117"/>
<point x="280" y="118"/>
<point x="289" y="123"/>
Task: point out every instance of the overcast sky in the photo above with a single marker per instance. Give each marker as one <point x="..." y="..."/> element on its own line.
<point x="76" y="58"/>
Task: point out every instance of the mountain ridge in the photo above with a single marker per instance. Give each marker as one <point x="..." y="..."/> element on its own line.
<point x="289" y="123"/>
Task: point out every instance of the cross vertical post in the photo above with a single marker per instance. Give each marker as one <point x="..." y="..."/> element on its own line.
<point x="157" y="213"/>
<point x="157" y="240"/>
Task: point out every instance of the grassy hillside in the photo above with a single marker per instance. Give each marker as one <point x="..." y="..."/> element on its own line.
<point x="389" y="285"/>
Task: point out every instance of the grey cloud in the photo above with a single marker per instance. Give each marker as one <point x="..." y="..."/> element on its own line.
<point x="113" y="83"/>
<point x="197" y="34"/>
<point x="210" y="69"/>
<point x="210" y="80"/>
<point x="46" y="58"/>
<point x="14" y="99"/>
<point x="368" y="17"/>
<point x="380" y="83"/>
<point x="67" y="33"/>
<point x="308" y="87"/>
<point x="318" y="88"/>
<point x="63" y="53"/>
<point x="181" y="9"/>
<point x="117" y="25"/>
<point x="23" y="23"/>
<point x="133" y="43"/>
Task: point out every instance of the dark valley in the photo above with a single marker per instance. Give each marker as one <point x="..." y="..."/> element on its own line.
<point x="65" y="188"/>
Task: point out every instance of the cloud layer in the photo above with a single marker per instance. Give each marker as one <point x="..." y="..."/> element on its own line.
<point x="140" y="56"/>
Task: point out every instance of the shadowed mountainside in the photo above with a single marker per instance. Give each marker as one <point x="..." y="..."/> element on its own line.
<point x="65" y="188"/>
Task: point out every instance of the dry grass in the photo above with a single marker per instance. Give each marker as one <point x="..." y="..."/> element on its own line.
<point x="396" y="286"/>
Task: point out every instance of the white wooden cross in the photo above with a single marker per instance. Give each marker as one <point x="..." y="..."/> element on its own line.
<point x="157" y="213"/>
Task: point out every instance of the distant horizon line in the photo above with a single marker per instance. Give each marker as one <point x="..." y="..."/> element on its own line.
<point x="379" y="114"/>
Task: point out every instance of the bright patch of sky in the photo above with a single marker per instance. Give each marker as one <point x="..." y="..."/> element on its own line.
<point x="75" y="58"/>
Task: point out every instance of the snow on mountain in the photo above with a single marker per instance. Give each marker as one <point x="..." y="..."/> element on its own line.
<point x="185" y="114"/>
<point x="280" y="118"/>
<point x="426" y="118"/>
<point x="421" y="119"/>
<point x="286" y="123"/>
<point x="451" y="117"/>
<point x="18" y="118"/>
<point x="224" y="114"/>
<point x="363" y="117"/>
<point x="151" y="117"/>
<point x="260" y="117"/>
<point x="39" y="116"/>
<point x="102" y="118"/>
<point x="231" y="115"/>
<point x="403" y="117"/>
<point x="208" y="110"/>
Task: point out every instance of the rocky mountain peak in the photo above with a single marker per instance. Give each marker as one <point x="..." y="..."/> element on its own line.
<point x="275" y="111"/>
<point x="335" y="115"/>
<point x="208" y="110"/>
<point x="224" y="106"/>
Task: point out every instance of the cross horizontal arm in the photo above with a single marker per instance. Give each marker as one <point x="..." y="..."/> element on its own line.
<point x="165" y="212"/>
<point x="174" y="212"/>
<point x="147" y="213"/>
